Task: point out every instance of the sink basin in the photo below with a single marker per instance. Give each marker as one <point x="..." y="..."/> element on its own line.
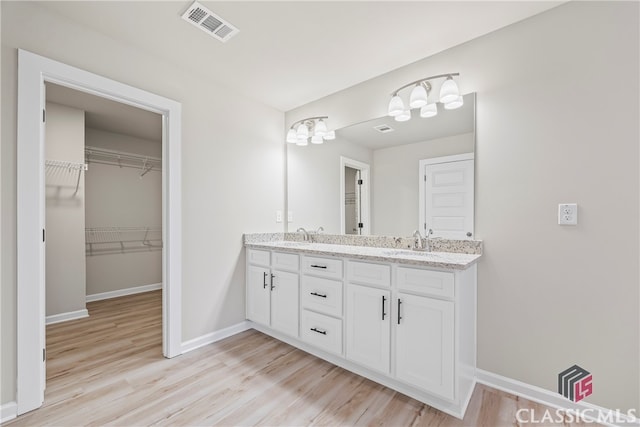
<point x="405" y="252"/>
<point x="292" y="244"/>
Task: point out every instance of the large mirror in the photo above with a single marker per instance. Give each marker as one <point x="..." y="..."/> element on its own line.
<point x="370" y="179"/>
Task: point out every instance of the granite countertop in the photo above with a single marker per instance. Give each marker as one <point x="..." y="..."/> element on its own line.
<point x="444" y="260"/>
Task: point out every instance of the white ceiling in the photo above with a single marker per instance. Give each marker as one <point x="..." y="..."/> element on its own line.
<point x="446" y="123"/>
<point x="290" y="53"/>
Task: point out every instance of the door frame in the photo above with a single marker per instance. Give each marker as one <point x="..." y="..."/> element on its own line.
<point x="422" y="201"/>
<point x="33" y="71"/>
<point x="365" y="201"/>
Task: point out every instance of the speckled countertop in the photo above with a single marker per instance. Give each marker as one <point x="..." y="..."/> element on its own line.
<point x="444" y="260"/>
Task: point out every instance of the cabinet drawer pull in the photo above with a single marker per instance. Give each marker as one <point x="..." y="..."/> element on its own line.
<point x="383" y="300"/>
<point x="399" y="316"/>
<point x="315" y="294"/>
<point x="272" y="285"/>
<point x="318" y="266"/>
<point x="319" y="331"/>
<point x="264" y="280"/>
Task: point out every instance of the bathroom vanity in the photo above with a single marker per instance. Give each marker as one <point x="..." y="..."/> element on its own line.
<point x="402" y="318"/>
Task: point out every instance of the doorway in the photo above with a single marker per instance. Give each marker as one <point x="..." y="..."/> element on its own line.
<point x="33" y="72"/>
<point x="354" y="197"/>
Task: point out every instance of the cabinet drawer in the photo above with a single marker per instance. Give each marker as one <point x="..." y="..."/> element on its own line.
<point x="323" y="295"/>
<point x="368" y="273"/>
<point x="322" y="331"/>
<point x="326" y="267"/>
<point x="428" y="282"/>
<point x="285" y="261"/>
<point x="258" y="257"/>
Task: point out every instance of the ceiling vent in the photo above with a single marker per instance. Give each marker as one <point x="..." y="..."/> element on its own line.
<point x="384" y="128"/>
<point x="209" y="22"/>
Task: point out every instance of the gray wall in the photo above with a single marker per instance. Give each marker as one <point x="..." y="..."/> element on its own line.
<point x="557" y="121"/>
<point x="119" y="197"/>
<point x="65" y="265"/>
<point x="314" y="183"/>
<point x="395" y="181"/>
<point x="228" y="168"/>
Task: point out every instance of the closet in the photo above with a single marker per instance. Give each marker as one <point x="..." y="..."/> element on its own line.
<point x="103" y="202"/>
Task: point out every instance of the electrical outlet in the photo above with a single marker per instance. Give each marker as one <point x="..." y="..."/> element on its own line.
<point x="290" y="216"/>
<point x="568" y="214"/>
<point x="278" y="216"/>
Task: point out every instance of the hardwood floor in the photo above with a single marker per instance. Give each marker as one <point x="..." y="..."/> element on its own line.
<point x="108" y="369"/>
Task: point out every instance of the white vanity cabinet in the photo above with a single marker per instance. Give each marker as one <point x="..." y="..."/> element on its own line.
<point x="407" y="326"/>
<point x="272" y="291"/>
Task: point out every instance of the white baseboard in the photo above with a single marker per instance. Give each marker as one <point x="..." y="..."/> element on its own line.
<point x="212" y="337"/>
<point x="8" y="411"/>
<point x="65" y="317"/>
<point x="590" y="412"/>
<point x="123" y="292"/>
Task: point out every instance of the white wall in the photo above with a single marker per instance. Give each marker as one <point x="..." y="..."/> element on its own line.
<point x="557" y="121"/>
<point x="314" y="183"/>
<point x="65" y="265"/>
<point x="119" y="197"/>
<point x="232" y="173"/>
<point x="395" y="181"/>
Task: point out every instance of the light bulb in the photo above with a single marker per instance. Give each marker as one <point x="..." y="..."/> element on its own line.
<point x="449" y="91"/>
<point x="321" y="128"/>
<point x="404" y="116"/>
<point x="418" y="97"/>
<point x="429" y="110"/>
<point x="302" y="132"/>
<point x="291" y="136"/>
<point x="456" y="103"/>
<point x="330" y="136"/>
<point x="396" y="106"/>
<point x="316" y="139"/>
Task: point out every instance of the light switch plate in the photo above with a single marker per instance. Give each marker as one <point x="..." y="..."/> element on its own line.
<point x="568" y="214"/>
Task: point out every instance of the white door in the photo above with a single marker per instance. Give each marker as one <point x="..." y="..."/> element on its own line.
<point x="448" y="197"/>
<point x="284" y="302"/>
<point x="368" y="327"/>
<point x="258" y="294"/>
<point x="424" y="344"/>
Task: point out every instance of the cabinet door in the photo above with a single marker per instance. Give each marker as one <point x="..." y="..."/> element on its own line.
<point x="258" y="294"/>
<point x="424" y="344"/>
<point x="284" y="302"/>
<point x="368" y="327"/>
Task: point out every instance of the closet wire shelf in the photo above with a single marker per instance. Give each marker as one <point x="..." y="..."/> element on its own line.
<point x="59" y="167"/>
<point x="122" y="159"/>
<point x="109" y="240"/>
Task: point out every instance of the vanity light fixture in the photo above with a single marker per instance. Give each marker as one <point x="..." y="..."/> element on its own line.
<point x="311" y="129"/>
<point x="419" y="98"/>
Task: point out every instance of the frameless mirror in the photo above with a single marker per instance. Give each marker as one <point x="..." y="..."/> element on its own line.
<point x="371" y="178"/>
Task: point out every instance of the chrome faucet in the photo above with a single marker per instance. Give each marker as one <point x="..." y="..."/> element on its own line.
<point x="418" y="244"/>
<point x="320" y="229"/>
<point x="305" y="233"/>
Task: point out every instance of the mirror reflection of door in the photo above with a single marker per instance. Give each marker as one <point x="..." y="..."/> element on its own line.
<point x="448" y="196"/>
<point x="352" y="196"/>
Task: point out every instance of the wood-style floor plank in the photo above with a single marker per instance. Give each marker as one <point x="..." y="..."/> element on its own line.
<point x="108" y="369"/>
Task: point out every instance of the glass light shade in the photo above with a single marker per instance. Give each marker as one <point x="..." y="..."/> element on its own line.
<point x="302" y="142"/>
<point x="330" y="136"/>
<point x="418" y="97"/>
<point x="321" y="128"/>
<point x="316" y="139"/>
<point x="291" y="136"/>
<point x="396" y="106"/>
<point x="449" y="91"/>
<point x="457" y="103"/>
<point x="404" y="116"/>
<point x="429" y="110"/>
<point x="302" y="132"/>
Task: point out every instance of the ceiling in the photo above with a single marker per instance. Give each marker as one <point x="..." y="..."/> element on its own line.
<point x="290" y="53"/>
<point x="446" y="123"/>
<point x="107" y="115"/>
